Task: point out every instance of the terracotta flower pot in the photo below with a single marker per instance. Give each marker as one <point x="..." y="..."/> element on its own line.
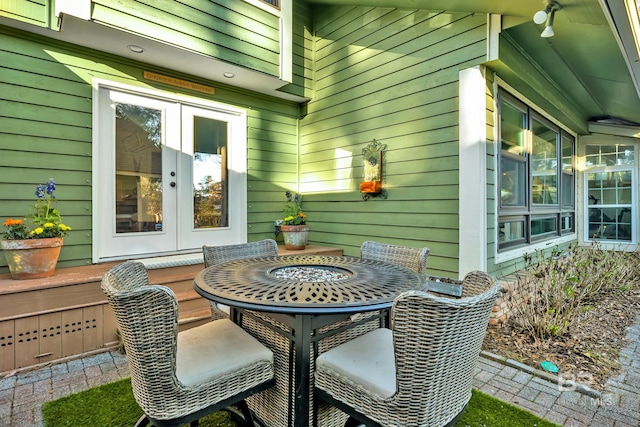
<point x="295" y="236"/>
<point x="33" y="258"/>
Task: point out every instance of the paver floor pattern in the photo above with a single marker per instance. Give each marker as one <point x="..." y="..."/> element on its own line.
<point x="22" y="395"/>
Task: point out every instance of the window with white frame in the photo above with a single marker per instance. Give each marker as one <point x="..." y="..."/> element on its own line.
<point x="609" y="176"/>
<point x="536" y="177"/>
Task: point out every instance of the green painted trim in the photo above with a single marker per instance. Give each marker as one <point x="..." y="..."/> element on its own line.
<point x="520" y="71"/>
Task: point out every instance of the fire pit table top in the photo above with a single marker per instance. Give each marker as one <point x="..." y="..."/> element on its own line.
<point x="306" y="283"/>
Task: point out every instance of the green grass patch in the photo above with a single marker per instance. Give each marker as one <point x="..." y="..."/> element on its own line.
<point x="113" y="405"/>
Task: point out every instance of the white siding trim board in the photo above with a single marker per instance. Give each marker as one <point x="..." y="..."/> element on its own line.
<point x="472" y="171"/>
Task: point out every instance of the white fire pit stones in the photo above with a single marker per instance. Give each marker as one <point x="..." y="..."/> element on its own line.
<point x="309" y="274"/>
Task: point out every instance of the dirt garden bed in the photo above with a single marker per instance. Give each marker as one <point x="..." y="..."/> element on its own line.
<point x="589" y="349"/>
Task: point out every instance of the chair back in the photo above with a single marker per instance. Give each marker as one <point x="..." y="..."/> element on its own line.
<point x="412" y="258"/>
<point x="437" y="343"/>
<point x="147" y="317"/>
<point x="218" y="254"/>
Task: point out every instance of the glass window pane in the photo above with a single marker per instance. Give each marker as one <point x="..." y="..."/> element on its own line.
<point x="512" y="183"/>
<point x="567" y="176"/>
<point x="609" y="155"/>
<point x="610" y="205"/>
<point x="540" y="226"/>
<point x="544" y="165"/>
<point x="568" y="222"/>
<point x="511" y="231"/>
<point x="138" y="169"/>
<point x="210" y="198"/>
<point x="537" y="177"/>
<point x="623" y="182"/>
<point x="512" y="129"/>
<point x="512" y="156"/>
<point x="610" y="223"/>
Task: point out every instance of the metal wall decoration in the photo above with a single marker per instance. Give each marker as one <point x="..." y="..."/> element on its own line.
<point x="372" y="158"/>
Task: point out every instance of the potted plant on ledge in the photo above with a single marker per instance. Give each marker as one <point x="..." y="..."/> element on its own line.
<point x="294" y="225"/>
<point x="32" y="245"/>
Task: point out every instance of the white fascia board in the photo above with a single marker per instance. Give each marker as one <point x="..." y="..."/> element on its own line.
<point x="624" y="22"/>
<point x="494" y="27"/>
<point x="78" y="8"/>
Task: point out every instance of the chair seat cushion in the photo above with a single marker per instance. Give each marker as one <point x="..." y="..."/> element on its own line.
<point x="217" y="348"/>
<point x="367" y="361"/>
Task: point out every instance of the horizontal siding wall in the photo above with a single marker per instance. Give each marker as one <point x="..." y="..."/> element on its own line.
<point x="45" y="131"/>
<point x="389" y="75"/>
<point x="233" y="31"/>
<point x="34" y="12"/>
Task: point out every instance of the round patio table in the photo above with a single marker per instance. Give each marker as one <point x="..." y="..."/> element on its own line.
<point x="301" y="298"/>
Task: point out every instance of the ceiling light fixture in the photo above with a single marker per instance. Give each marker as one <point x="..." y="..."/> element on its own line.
<point x="135" y="48"/>
<point x="546" y="16"/>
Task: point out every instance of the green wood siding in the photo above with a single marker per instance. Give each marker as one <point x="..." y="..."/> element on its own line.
<point x="391" y="75"/>
<point x="230" y="30"/>
<point x="46" y="131"/>
<point x="35" y="12"/>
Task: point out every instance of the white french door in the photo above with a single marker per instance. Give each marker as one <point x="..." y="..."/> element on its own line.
<point x="168" y="176"/>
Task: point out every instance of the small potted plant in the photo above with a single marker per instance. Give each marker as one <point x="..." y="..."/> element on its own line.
<point x="32" y="245"/>
<point x="294" y="224"/>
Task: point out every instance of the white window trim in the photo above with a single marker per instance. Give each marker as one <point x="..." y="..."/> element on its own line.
<point x="604" y="134"/>
<point x="634" y="204"/>
<point x="267" y="7"/>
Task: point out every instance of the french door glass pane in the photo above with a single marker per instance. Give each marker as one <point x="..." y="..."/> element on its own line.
<point x="544" y="165"/>
<point x="210" y="180"/>
<point x="138" y="198"/>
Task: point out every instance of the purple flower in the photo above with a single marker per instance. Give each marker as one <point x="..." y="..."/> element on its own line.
<point x="40" y="191"/>
<point x="51" y="186"/>
<point x="288" y="195"/>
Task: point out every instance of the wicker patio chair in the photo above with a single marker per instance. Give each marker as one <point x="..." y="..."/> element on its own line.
<point x="420" y="372"/>
<point x="413" y="258"/>
<point x="177" y="378"/>
<point x="218" y="254"/>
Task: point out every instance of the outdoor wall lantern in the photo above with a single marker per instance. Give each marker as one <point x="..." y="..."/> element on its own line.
<point x="372" y="156"/>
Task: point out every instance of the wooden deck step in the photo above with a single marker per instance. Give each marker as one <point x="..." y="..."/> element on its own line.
<point x="193" y="318"/>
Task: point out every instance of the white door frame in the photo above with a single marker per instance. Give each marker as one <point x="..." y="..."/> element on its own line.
<point x="105" y="245"/>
